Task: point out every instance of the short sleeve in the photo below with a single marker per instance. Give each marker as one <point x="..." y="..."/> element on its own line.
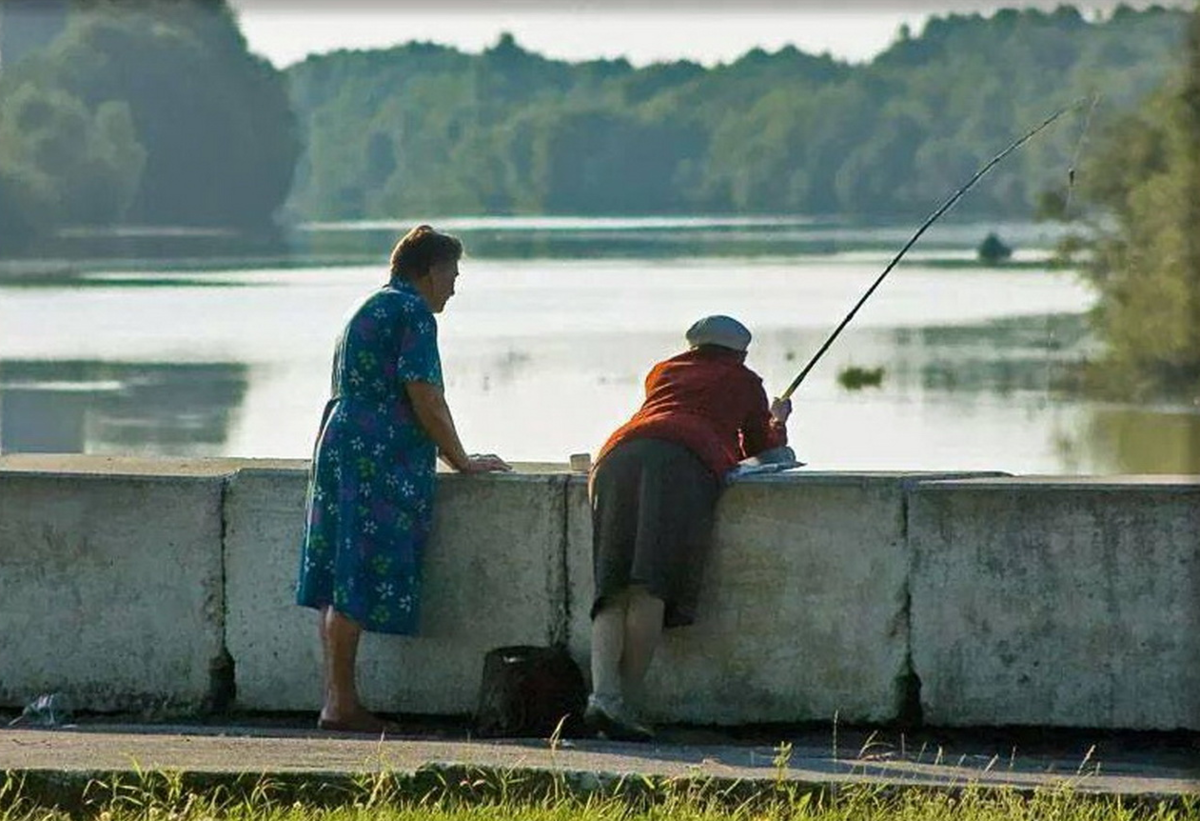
<point x="417" y="359"/>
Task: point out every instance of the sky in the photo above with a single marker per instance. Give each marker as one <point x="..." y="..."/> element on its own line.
<point x="704" y="31"/>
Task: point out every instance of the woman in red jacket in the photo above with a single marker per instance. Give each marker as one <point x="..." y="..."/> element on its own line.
<point x="653" y="493"/>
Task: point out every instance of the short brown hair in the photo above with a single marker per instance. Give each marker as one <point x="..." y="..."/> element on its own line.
<point x="421" y="248"/>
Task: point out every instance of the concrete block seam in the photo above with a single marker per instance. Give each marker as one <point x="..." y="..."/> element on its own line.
<point x="222" y="681"/>
<point x="908" y="683"/>
<point x="559" y="633"/>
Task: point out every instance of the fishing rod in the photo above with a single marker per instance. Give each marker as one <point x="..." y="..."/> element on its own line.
<point x="955" y="197"/>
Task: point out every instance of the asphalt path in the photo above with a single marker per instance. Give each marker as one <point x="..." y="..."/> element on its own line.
<point x="1131" y="766"/>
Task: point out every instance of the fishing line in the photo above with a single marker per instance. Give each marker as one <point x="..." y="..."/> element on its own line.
<point x="1083" y="132"/>
<point x="1048" y="336"/>
<point x="955" y="197"/>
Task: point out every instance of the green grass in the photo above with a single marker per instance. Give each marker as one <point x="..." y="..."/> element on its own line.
<point x="457" y="793"/>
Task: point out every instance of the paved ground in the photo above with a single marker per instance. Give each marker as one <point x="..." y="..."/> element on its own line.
<point x="1131" y="765"/>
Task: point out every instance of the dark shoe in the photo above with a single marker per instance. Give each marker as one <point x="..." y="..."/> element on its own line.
<point x="608" y="716"/>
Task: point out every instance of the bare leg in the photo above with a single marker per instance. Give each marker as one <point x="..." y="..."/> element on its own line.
<point x="342" y="709"/>
<point x="643" y="629"/>
<point x="606" y="711"/>
<point x="608" y="635"/>
<point x="322" y="615"/>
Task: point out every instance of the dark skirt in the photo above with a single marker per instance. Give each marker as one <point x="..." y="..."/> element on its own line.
<point x="652" y="521"/>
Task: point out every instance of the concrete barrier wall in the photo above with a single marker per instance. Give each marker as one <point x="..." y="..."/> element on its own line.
<point x="163" y="583"/>
<point x="493" y="576"/>
<point x="111" y="587"/>
<point x="1058" y="603"/>
<point x="803" y="613"/>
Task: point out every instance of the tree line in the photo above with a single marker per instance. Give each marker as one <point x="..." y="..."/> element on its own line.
<point x="426" y="129"/>
<point x="152" y="113"/>
<point x="156" y="113"/>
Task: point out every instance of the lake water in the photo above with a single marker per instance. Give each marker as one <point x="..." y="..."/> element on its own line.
<point x="553" y="328"/>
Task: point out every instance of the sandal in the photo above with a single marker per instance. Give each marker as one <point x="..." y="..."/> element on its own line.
<point x="362" y="723"/>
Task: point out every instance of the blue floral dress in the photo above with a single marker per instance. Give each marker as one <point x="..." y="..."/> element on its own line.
<point x="370" y="494"/>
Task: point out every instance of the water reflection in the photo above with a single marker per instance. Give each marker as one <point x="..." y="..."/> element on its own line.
<point x="63" y="257"/>
<point x="105" y="407"/>
<point x="1037" y="362"/>
<point x="1133" y="440"/>
<point x="1034" y="354"/>
<point x="665" y="237"/>
<point x="545" y="356"/>
<point x="152" y="244"/>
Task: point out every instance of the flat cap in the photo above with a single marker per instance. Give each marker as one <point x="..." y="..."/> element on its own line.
<point x="719" y="330"/>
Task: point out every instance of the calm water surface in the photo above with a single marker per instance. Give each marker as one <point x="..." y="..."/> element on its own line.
<point x="554" y="326"/>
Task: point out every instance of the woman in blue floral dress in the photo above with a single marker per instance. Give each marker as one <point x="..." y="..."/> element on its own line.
<point x="370" y="497"/>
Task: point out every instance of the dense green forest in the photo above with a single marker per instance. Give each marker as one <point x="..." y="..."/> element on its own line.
<point x="1143" y="179"/>
<point x="425" y="129"/>
<point x="155" y="113"/>
<point x="152" y="113"/>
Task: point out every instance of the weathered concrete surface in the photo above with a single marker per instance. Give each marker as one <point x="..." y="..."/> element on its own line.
<point x="110" y="585"/>
<point x="803" y="614"/>
<point x="1070" y="602"/>
<point x="1051" y="602"/>
<point x="54" y="464"/>
<point x="273" y="644"/>
<point x="493" y="577"/>
<point x="812" y="761"/>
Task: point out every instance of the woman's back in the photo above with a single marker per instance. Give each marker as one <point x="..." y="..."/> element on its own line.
<point x="707" y="400"/>
<point x="390" y="336"/>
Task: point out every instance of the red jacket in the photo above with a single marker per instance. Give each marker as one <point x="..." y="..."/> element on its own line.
<point x="709" y="402"/>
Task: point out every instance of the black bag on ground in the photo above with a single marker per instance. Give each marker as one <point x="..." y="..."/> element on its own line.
<point x="526" y="691"/>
